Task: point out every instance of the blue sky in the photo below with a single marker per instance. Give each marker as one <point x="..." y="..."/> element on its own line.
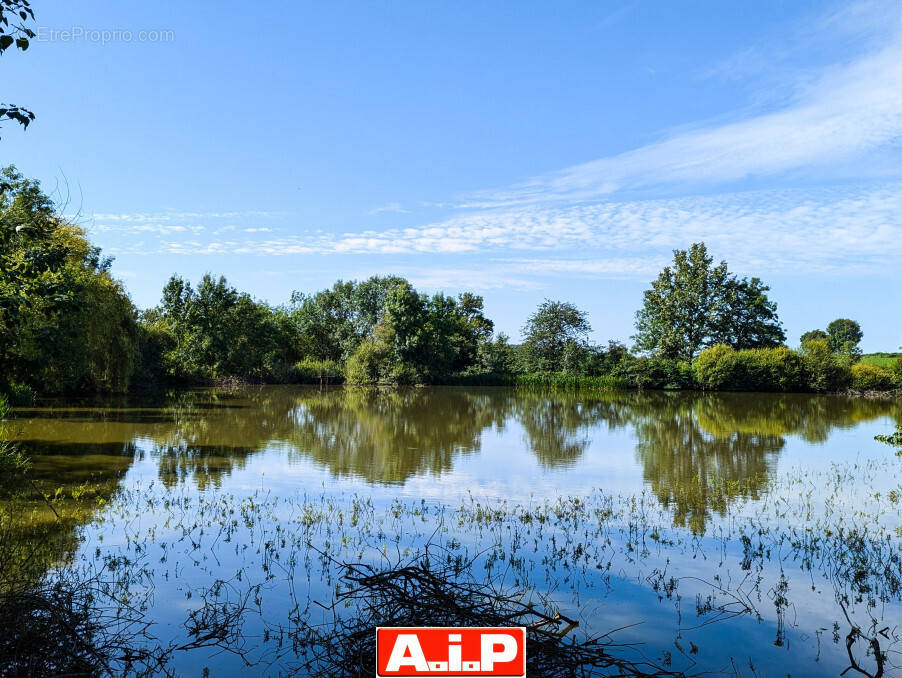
<point x="519" y="149"/>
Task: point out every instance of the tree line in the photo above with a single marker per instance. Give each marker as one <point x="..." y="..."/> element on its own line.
<point x="66" y="325"/>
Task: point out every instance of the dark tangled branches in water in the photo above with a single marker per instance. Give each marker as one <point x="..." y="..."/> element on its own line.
<point x="444" y="591"/>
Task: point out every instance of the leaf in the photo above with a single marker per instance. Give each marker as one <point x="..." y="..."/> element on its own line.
<point x="22" y="43"/>
<point x="5" y="41"/>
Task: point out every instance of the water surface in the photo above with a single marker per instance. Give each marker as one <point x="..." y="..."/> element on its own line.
<point x="700" y="461"/>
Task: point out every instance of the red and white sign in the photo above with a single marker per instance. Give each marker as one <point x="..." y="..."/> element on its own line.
<point x="451" y="651"/>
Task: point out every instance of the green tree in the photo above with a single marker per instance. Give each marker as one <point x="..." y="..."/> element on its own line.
<point x="747" y="318"/>
<point x="472" y="329"/>
<point x="218" y="332"/>
<point x="694" y="304"/>
<point x="496" y="357"/>
<point x="844" y="335"/>
<point x="555" y="331"/>
<point x="811" y="335"/>
<point x="331" y="324"/>
<point x="65" y="323"/>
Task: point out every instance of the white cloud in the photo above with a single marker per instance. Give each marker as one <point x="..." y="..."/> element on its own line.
<point x="592" y="220"/>
<point x="141" y="217"/>
<point x="852" y="109"/>
<point x="394" y="207"/>
<point x="850" y="229"/>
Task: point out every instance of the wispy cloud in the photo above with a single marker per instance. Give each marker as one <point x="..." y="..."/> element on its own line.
<point x="849" y="110"/>
<point x="850" y="229"/>
<point x="601" y="219"/>
<point x="392" y="207"/>
<point x="168" y="216"/>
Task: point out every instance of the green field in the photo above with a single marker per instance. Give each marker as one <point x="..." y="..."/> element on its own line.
<point x="880" y="359"/>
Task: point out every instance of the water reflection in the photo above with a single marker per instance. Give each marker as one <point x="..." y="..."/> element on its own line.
<point x="697" y="452"/>
<point x="389" y="435"/>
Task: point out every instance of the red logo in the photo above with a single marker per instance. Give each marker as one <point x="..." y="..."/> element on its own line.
<point x="450" y="651"/>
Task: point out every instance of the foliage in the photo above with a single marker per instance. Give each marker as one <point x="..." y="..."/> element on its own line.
<point x="768" y="369"/>
<point x="695" y="304"/>
<point x="387" y="332"/>
<point x="331" y="324"/>
<point x="18" y="394"/>
<point x="555" y="338"/>
<point x="872" y="378"/>
<point x="14" y="14"/>
<point x="310" y="371"/>
<point x="894" y="439"/>
<point x="654" y="372"/>
<point x="216" y="332"/>
<point x="844" y="335"/>
<point x="896" y="368"/>
<point x="567" y="381"/>
<point x="65" y="323"/>
<point x="495" y="356"/>
<point x="13" y="463"/>
<point x="748" y="319"/>
<point x="369" y="363"/>
<point x="824" y="370"/>
<point x="812" y="335"/>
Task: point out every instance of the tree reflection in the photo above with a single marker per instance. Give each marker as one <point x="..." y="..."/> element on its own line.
<point x="389" y="435"/>
<point x="701" y="452"/>
<point x="698" y="452"/>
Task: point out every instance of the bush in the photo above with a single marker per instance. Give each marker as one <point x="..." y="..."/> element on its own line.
<point x="19" y="395"/>
<point x="823" y="370"/>
<point x="771" y="369"/>
<point x="896" y="368"/>
<point x="871" y="378"/>
<point x="762" y="369"/>
<point x="366" y="363"/>
<point x="653" y="372"/>
<point x="717" y="368"/>
<point x="310" y="371"/>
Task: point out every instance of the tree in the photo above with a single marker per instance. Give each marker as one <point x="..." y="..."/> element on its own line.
<point x="844" y="335"/>
<point x="14" y="32"/>
<point x="747" y="318"/>
<point x="472" y="329"/>
<point x="695" y="304"/>
<point x="331" y="324"/>
<point x="549" y="331"/>
<point x="812" y="335"/>
<point x="65" y="323"/>
<point x="496" y="357"/>
<point x="218" y="332"/>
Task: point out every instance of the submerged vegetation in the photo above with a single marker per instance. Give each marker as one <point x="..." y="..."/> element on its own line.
<point x="67" y="326"/>
<point x="298" y="585"/>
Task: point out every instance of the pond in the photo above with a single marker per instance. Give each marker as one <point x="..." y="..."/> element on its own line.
<point x="746" y="533"/>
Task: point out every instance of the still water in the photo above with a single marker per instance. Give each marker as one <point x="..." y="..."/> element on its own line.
<point x="709" y="499"/>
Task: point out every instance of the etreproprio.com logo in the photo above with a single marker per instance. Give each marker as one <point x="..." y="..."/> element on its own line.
<point x="102" y="36"/>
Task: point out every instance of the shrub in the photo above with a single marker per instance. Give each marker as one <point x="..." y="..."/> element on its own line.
<point x="310" y="371"/>
<point x="871" y="378"/>
<point x="772" y="369"/>
<point x="18" y="394"/>
<point x="718" y="368"/>
<point x="823" y="370"/>
<point x="896" y="368"/>
<point x="655" y="373"/>
<point x="761" y="369"/>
